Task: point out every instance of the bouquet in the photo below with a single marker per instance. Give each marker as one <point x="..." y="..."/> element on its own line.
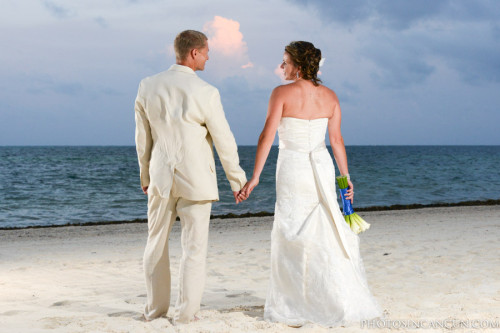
<point x="354" y="221"/>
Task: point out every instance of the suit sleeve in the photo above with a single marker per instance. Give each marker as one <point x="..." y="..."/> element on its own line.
<point x="224" y="143"/>
<point x="143" y="138"/>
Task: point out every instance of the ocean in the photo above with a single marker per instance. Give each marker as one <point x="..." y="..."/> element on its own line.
<point x="58" y="185"/>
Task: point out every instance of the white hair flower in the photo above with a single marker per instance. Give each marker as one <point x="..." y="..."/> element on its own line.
<point x="321" y="62"/>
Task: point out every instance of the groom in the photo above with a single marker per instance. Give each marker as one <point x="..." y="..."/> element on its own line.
<point x="179" y="117"/>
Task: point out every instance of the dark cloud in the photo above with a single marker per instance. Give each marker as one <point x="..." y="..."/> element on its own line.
<point x="407" y="38"/>
<point x="112" y="92"/>
<point x="476" y="58"/>
<point x="395" y="14"/>
<point x="57" y="10"/>
<point x="44" y="83"/>
<point x="496" y="32"/>
<point x="338" y="10"/>
<point x="346" y="90"/>
<point x="67" y="88"/>
<point x="400" y="60"/>
<point x="101" y="21"/>
<point x="401" y="15"/>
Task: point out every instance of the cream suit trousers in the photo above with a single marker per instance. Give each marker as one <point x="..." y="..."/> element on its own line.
<point x="195" y="218"/>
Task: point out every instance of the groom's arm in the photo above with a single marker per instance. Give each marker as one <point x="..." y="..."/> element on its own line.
<point x="143" y="140"/>
<point x="224" y="142"/>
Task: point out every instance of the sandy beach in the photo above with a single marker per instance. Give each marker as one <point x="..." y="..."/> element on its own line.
<point x="433" y="266"/>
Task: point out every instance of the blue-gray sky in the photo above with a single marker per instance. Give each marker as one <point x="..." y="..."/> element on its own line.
<point x="406" y="72"/>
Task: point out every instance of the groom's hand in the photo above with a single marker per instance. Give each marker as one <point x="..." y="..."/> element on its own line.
<point x="238" y="197"/>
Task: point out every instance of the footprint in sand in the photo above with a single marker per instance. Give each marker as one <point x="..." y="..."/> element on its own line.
<point x="243" y="294"/>
<point x="57" y="322"/>
<point x="11" y="313"/>
<point x="128" y="314"/>
<point x="214" y="273"/>
<point x="136" y="300"/>
<point x="244" y="297"/>
<point x="251" y="311"/>
<point x="62" y="303"/>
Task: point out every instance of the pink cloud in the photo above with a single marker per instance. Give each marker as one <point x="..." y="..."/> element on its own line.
<point x="249" y="65"/>
<point x="225" y="36"/>
<point x="229" y="51"/>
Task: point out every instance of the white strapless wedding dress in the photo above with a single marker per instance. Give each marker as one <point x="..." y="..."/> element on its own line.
<point x="317" y="274"/>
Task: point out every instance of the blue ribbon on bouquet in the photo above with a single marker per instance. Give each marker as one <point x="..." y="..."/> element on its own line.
<point x="346" y="204"/>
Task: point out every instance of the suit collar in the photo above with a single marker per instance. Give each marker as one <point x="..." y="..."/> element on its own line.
<point x="180" y="68"/>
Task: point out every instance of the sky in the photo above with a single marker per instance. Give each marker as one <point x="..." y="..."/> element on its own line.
<point x="421" y="72"/>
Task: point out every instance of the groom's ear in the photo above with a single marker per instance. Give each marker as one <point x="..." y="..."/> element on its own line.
<point x="193" y="53"/>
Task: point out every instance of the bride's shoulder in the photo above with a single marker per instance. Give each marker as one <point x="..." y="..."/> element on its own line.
<point x="285" y="89"/>
<point x="329" y="93"/>
<point x="286" y="86"/>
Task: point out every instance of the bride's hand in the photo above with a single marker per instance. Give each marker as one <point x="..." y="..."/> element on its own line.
<point x="350" y="192"/>
<point x="248" y="188"/>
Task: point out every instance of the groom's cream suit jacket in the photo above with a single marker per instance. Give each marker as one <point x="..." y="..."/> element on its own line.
<point x="179" y="117"/>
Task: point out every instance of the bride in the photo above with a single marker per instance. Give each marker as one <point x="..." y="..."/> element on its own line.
<point x="317" y="274"/>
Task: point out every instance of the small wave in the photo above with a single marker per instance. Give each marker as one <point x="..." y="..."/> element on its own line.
<point x="489" y="202"/>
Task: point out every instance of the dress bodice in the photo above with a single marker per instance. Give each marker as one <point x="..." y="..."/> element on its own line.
<point x="302" y="134"/>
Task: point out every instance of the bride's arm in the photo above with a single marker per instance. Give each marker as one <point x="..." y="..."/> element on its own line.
<point x="266" y="139"/>
<point x="338" y="147"/>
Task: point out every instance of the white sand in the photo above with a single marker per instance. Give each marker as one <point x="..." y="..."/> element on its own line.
<point x="441" y="264"/>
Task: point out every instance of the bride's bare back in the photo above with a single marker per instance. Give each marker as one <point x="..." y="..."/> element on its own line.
<point x="302" y="99"/>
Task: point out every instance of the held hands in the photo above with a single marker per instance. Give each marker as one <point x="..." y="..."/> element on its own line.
<point x="236" y="195"/>
<point x="244" y="193"/>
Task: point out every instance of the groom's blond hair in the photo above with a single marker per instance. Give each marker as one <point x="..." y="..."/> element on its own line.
<point x="187" y="41"/>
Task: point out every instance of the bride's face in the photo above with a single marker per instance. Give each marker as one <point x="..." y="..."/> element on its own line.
<point x="289" y="69"/>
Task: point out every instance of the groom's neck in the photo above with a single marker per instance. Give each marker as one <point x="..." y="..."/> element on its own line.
<point x="187" y="63"/>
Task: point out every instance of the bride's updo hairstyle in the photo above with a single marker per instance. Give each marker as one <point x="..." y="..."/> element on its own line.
<point x="306" y="57"/>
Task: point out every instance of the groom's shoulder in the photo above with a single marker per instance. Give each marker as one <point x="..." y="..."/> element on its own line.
<point x="198" y="85"/>
<point x="172" y="78"/>
<point x="152" y="79"/>
<point x="207" y="86"/>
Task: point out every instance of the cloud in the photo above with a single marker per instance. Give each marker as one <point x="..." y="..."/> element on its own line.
<point x="407" y="40"/>
<point x="410" y="57"/>
<point x="228" y="50"/>
<point x="101" y="21"/>
<point x="397" y="14"/>
<point x="225" y="37"/>
<point x="400" y="15"/>
<point x="400" y="61"/>
<point x="249" y="65"/>
<point x="469" y="49"/>
<point x="45" y="84"/>
<point x="57" y="10"/>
